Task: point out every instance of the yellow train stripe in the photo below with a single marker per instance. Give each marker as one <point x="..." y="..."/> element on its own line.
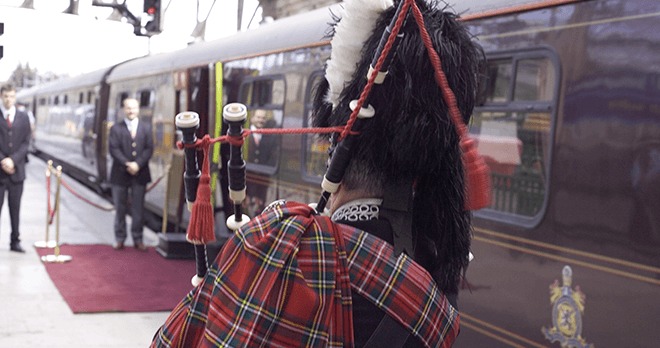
<point x="569" y="26"/>
<point x="569" y="260"/>
<point x="500" y="330"/>
<point x="568" y="250"/>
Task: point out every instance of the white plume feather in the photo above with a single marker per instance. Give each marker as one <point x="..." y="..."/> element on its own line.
<point x="357" y="22"/>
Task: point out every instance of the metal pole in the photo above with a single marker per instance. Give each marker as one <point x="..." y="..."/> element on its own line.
<point x="47" y="243"/>
<point x="57" y="257"/>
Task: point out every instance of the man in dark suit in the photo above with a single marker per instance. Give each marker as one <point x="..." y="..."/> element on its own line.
<point x="15" y="136"/>
<point x="131" y="146"/>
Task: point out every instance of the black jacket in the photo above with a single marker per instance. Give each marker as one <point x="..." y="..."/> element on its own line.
<point x="14" y="143"/>
<point x="124" y="149"/>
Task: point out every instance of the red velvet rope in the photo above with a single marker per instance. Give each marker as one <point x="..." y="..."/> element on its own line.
<point x="83" y="198"/>
<point x="51" y="211"/>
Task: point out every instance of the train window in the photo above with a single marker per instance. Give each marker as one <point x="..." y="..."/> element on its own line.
<point x="263" y="149"/>
<point x="56" y="100"/>
<point x="535" y="79"/>
<point x="43" y="101"/>
<point x="278" y="92"/>
<point x="89" y="97"/>
<point x="120" y="101"/>
<point x="264" y="98"/>
<point x="246" y="94"/>
<point x="513" y="129"/>
<point x="66" y="99"/>
<point x="145" y="99"/>
<point x="499" y="80"/>
<point x="81" y="98"/>
<point x="316" y="146"/>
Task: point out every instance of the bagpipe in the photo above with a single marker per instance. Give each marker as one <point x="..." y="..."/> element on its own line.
<point x="201" y="226"/>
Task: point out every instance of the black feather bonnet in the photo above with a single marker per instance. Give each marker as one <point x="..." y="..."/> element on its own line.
<point x="411" y="136"/>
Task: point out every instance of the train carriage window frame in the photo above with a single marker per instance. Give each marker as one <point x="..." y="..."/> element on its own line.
<point x="147" y="101"/>
<point x="254" y="98"/>
<point x="521" y="183"/>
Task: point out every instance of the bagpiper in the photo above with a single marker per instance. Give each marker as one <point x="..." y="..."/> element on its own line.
<point x="381" y="265"/>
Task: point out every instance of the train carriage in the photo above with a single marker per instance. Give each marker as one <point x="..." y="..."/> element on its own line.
<point x="568" y="121"/>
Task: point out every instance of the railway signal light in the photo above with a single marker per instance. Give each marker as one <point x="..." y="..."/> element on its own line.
<point x="155" y="9"/>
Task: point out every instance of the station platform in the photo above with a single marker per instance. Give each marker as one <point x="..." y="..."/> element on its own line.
<point x="33" y="313"/>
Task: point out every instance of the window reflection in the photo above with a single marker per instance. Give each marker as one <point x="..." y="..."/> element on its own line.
<point x="515" y="141"/>
<point x="316" y="149"/>
<point x="535" y="79"/>
<point x="316" y="157"/>
<point x="499" y="81"/>
<point x="263" y="148"/>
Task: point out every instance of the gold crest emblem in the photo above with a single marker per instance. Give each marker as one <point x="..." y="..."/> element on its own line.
<point x="567" y="311"/>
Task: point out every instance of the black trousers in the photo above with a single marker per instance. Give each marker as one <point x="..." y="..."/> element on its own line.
<point x="120" y="198"/>
<point x="14" y="194"/>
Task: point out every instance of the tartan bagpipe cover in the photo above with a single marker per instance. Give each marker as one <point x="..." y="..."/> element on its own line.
<point x="285" y="280"/>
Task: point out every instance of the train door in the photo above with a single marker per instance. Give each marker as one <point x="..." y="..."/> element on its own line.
<point x="191" y="94"/>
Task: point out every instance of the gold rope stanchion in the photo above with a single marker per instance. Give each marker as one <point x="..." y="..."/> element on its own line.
<point x="46" y="243"/>
<point x="57" y="257"/>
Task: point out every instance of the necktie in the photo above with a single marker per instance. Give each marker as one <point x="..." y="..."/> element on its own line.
<point x="8" y="121"/>
<point x="133" y="132"/>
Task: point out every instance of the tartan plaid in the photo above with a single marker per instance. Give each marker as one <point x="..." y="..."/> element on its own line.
<point x="285" y="280"/>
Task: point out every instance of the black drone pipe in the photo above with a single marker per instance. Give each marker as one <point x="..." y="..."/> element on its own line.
<point x="188" y="123"/>
<point x="343" y="152"/>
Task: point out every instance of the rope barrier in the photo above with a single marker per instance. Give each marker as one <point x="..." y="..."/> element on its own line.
<point x="52" y="211"/>
<point x="85" y="199"/>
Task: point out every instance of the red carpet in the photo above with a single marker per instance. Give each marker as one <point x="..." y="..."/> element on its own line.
<point x="101" y="279"/>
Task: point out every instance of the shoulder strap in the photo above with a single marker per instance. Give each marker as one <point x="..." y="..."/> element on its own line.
<point x="400" y="287"/>
<point x="389" y="333"/>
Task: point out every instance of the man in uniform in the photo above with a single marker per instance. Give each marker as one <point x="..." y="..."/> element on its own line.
<point x="131" y="146"/>
<point x="15" y="134"/>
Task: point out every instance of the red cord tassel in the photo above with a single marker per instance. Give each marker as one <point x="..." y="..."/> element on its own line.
<point x="477" y="176"/>
<point x="477" y="173"/>
<point x="201" y="226"/>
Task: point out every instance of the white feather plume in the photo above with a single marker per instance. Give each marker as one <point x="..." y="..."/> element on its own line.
<point x="358" y="20"/>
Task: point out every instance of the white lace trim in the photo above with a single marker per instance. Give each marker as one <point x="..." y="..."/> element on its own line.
<point x="358" y="210"/>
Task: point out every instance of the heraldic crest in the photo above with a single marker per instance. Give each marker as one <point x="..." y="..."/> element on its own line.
<point x="567" y="310"/>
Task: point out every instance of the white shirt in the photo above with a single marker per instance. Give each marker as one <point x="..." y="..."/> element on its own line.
<point x="132" y="124"/>
<point x="8" y="113"/>
<point x="257" y="136"/>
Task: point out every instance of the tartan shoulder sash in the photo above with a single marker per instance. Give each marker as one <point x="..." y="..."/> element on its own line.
<point x="285" y="280"/>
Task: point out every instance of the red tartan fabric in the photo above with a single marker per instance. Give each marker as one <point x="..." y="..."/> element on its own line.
<point x="285" y="280"/>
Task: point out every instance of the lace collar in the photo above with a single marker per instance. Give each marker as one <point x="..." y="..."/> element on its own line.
<point x="358" y="210"/>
